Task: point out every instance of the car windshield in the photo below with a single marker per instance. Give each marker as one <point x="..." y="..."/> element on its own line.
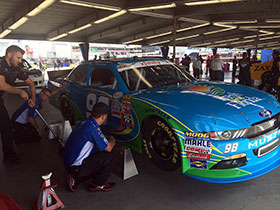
<point x="154" y="76"/>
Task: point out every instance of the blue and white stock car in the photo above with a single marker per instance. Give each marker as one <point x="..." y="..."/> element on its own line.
<point x="215" y="131"/>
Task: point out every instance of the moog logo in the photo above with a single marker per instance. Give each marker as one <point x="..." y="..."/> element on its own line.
<point x="265" y="113"/>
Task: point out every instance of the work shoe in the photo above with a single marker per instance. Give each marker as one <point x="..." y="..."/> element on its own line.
<point x="70" y="182"/>
<point x="105" y="187"/>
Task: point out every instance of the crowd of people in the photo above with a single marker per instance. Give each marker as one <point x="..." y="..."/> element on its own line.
<point x="213" y="67"/>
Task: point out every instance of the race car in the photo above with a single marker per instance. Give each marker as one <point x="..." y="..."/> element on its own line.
<point x="215" y="131"/>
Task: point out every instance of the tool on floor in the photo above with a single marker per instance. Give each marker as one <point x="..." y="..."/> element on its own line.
<point x="48" y="199"/>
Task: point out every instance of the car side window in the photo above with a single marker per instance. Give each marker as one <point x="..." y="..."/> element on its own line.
<point x="79" y="74"/>
<point x="103" y="78"/>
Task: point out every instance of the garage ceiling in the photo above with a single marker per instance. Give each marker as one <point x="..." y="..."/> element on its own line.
<point x="196" y="23"/>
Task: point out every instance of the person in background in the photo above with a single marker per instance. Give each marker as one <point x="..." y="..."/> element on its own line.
<point x="9" y="72"/>
<point x="88" y="154"/>
<point x="234" y="67"/>
<point x="186" y="61"/>
<point x="202" y="61"/>
<point x="208" y="64"/>
<point x="196" y="67"/>
<point x="244" y="70"/>
<point x="217" y="68"/>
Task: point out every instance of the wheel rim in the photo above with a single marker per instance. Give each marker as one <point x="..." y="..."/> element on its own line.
<point x="162" y="144"/>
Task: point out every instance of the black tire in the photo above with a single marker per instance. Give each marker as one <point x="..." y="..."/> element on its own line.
<point x="161" y="145"/>
<point x="267" y="79"/>
<point x="67" y="110"/>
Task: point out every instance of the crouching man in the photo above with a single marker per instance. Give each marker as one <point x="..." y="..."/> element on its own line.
<point x="88" y="154"/>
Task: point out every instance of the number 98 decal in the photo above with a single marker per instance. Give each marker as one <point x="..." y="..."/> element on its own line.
<point x="231" y="147"/>
<point x="93" y="99"/>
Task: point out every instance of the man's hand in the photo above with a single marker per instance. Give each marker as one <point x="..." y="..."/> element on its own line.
<point x="31" y="103"/>
<point x="23" y="95"/>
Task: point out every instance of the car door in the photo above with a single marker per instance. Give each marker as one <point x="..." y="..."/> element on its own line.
<point x="104" y="86"/>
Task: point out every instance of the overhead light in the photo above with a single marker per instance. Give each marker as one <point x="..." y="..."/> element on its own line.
<point x="272" y="20"/>
<point x="18" y="23"/>
<point x="187" y="37"/>
<point x="218" y="31"/>
<point x="269" y="44"/>
<point x="192" y="27"/>
<point x="244" y="41"/>
<point x="5" y="33"/>
<point x="45" y="4"/>
<point x="244" y="27"/>
<point x="80" y="28"/>
<point x="217" y="45"/>
<point x="117" y="14"/>
<point x="91" y="5"/>
<point x="227" y="40"/>
<point x="153" y="14"/>
<point x="158" y="35"/>
<point x="192" y="20"/>
<point x="58" y="37"/>
<point x="195" y="3"/>
<point x="272" y="37"/>
<point x="245" y="47"/>
<point x="223" y="25"/>
<point x="158" y="43"/>
<point x="249" y="37"/>
<point x="238" y="22"/>
<point x="202" y="44"/>
<point x="166" y="6"/>
<point x="133" y="41"/>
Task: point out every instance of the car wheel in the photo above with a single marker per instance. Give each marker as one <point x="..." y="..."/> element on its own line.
<point x="267" y="79"/>
<point x="160" y="144"/>
<point x="67" y="110"/>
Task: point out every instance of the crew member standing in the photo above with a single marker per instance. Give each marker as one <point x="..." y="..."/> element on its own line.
<point x="234" y="65"/>
<point x="89" y="154"/>
<point x="217" y="68"/>
<point x="9" y="72"/>
<point x="244" y="70"/>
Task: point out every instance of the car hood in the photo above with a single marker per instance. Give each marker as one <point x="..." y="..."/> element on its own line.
<point x="209" y="106"/>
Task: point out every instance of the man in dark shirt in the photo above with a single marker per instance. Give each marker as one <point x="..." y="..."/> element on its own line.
<point x="244" y="70"/>
<point x="9" y="72"/>
<point x="186" y="61"/>
<point x="234" y="65"/>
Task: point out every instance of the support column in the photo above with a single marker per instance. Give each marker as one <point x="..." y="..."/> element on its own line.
<point x="174" y="37"/>
<point x="85" y="50"/>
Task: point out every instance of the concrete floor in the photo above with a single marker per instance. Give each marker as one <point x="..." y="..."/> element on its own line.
<point x="152" y="189"/>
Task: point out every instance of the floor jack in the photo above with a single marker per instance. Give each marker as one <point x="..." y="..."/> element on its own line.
<point x="48" y="199"/>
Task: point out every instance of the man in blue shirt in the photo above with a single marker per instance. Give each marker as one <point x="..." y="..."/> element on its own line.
<point x="24" y="124"/>
<point x="89" y="154"/>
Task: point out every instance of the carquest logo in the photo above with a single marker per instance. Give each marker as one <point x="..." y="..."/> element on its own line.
<point x="265" y="113"/>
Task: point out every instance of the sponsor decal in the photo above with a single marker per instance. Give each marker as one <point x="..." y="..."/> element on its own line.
<point x="265" y="113"/>
<point x="202" y="164"/>
<point x="264" y="140"/>
<point x="126" y="118"/>
<point x="211" y="89"/>
<point x="116" y="108"/>
<point x="198" y="143"/>
<point x="196" y="156"/>
<point x="127" y="66"/>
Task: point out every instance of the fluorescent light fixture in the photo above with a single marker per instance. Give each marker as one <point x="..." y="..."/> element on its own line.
<point x="133" y="41"/>
<point x="245" y="27"/>
<point x="192" y="20"/>
<point x="245" y="47"/>
<point x="271" y="44"/>
<point x="187" y="37"/>
<point x="227" y="40"/>
<point x="58" y="37"/>
<point x="91" y="5"/>
<point x="202" y="44"/>
<point x="45" y="4"/>
<point x="153" y="7"/>
<point x="223" y="25"/>
<point x="238" y="22"/>
<point x="272" y="37"/>
<point x="117" y="14"/>
<point x="195" y="3"/>
<point x="158" y="35"/>
<point x="244" y="41"/>
<point x="272" y="20"/>
<point x="249" y="37"/>
<point x="192" y="27"/>
<point x="153" y="14"/>
<point x="18" y="23"/>
<point x="80" y="28"/>
<point x="162" y="42"/>
<point x="219" y="31"/>
<point x="266" y="32"/>
<point x="5" y="33"/>
<point x="217" y="45"/>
